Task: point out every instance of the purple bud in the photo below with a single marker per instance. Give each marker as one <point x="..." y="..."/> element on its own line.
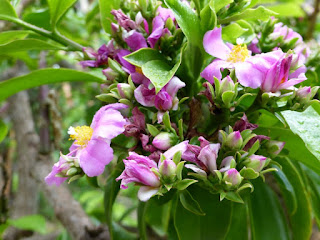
<point x="233" y="177"/>
<point x="125" y="90"/>
<point x="123" y="20"/>
<point x="163" y="101"/>
<point x="275" y="147"/>
<point x="114" y="28"/>
<point x="167" y="170"/>
<point x="110" y="74"/>
<point x="256" y="162"/>
<point x="234" y="140"/>
<point x="164" y="140"/>
<point x="304" y="92"/>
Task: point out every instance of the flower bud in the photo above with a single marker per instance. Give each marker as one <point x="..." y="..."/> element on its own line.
<point x="234" y="140"/>
<point x="164" y="140"/>
<point x="167" y="170"/>
<point x="227" y="163"/>
<point x="226" y="84"/>
<point x="275" y="147"/>
<point x="110" y="74"/>
<point x="233" y="177"/>
<point x="125" y="90"/>
<point x="114" y="28"/>
<point x="256" y="162"/>
<point x="163" y="101"/>
<point x="304" y="93"/>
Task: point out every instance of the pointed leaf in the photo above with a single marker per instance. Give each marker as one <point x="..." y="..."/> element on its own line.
<point x="189" y="203"/>
<point x="105" y="13"/>
<point x="144" y="55"/>
<point x="42" y="77"/>
<point x="58" y="8"/>
<point x="7" y="12"/>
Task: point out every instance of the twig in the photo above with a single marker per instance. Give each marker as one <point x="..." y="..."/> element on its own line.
<point x="313" y="20"/>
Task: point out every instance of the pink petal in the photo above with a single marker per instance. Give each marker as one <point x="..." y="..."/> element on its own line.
<point x="213" y="44"/>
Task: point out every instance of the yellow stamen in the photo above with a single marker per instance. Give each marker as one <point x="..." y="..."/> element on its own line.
<point x="239" y="53"/>
<point x="139" y="70"/>
<point x="82" y="135"/>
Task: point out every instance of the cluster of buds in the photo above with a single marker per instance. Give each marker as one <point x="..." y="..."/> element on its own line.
<point x="302" y="98"/>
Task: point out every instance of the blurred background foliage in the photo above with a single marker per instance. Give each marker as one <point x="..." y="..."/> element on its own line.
<point x="74" y="103"/>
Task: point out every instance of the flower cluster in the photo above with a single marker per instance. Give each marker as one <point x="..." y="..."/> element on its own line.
<point x="186" y="131"/>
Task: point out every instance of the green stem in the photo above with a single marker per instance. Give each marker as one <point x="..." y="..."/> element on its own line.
<point x="141" y="221"/>
<point x="55" y="35"/>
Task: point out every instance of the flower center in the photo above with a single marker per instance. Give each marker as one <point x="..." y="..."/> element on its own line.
<point x="81" y="134"/>
<point x="239" y="53"/>
<point x="139" y="70"/>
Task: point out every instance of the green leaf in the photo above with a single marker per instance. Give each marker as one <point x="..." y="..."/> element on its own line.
<point x="249" y="173"/>
<point x="152" y="130"/>
<point x="288" y="9"/>
<point x="231" y="32"/>
<point x="144" y="55"/>
<point x="28" y="44"/>
<point x="218" y="4"/>
<point x="10" y="36"/>
<point x="188" y="21"/>
<point x="159" y="72"/>
<point x="58" y="8"/>
<point x="287" y="191"/>
<point x="233" y="196"/>
<point x="158" y="215"/>
<point x="266" y="215"/>
<point x="238" y="226"/>
<point x="301" y="219"/>
<point x="35" y="223"/>
<point x="105" y="12"/>
<point x="294" y="144"/>
<point x="3" y="130"/>
<point x="43" y="77"/>
<point x="307" y="125"/>
<point x="142" y="220"/>
<point x="189" y="203"/>
<point x="7" y="12"/>
<point x="314" y="184"/>
<point x="214" y="225"/>
<point x="182" y="185"/>
<point x="260" y="13"/>
<point x="208" y="17"/>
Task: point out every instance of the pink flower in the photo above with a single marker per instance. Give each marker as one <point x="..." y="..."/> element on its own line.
<point x="91" y="147"/>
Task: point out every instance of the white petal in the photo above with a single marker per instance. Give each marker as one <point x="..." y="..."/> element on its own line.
<point x="72" y="131"/>
<point x="196" y="169"/>
<point x="145" y="193"/>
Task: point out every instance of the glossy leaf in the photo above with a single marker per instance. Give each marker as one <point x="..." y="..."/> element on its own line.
<point x="221" y="3"/>
<point x="35" y="223"/>
<point x="58" y="8"/>
<point x="10" y="36"/>
<point x="28" y="44"/>
<point x="187" y="20"/>
<point x="266" y="215"/>
<point x="105" y="12"/>
<point x="307" y="125"/>
<point x="144" y="55"/>
<point x="159" y="73"/>
<point x="42" y="77"/>
<point x="231" y="32"/>
<point x="7" y="12"/>
<point x="260" y="13"/>
<point x="301" y="219"/>
<point x="214" y="225"/>
<point x="294" y="144"/>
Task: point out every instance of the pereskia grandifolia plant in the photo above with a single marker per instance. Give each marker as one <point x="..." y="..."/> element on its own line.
<point x="198" y="101"/>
